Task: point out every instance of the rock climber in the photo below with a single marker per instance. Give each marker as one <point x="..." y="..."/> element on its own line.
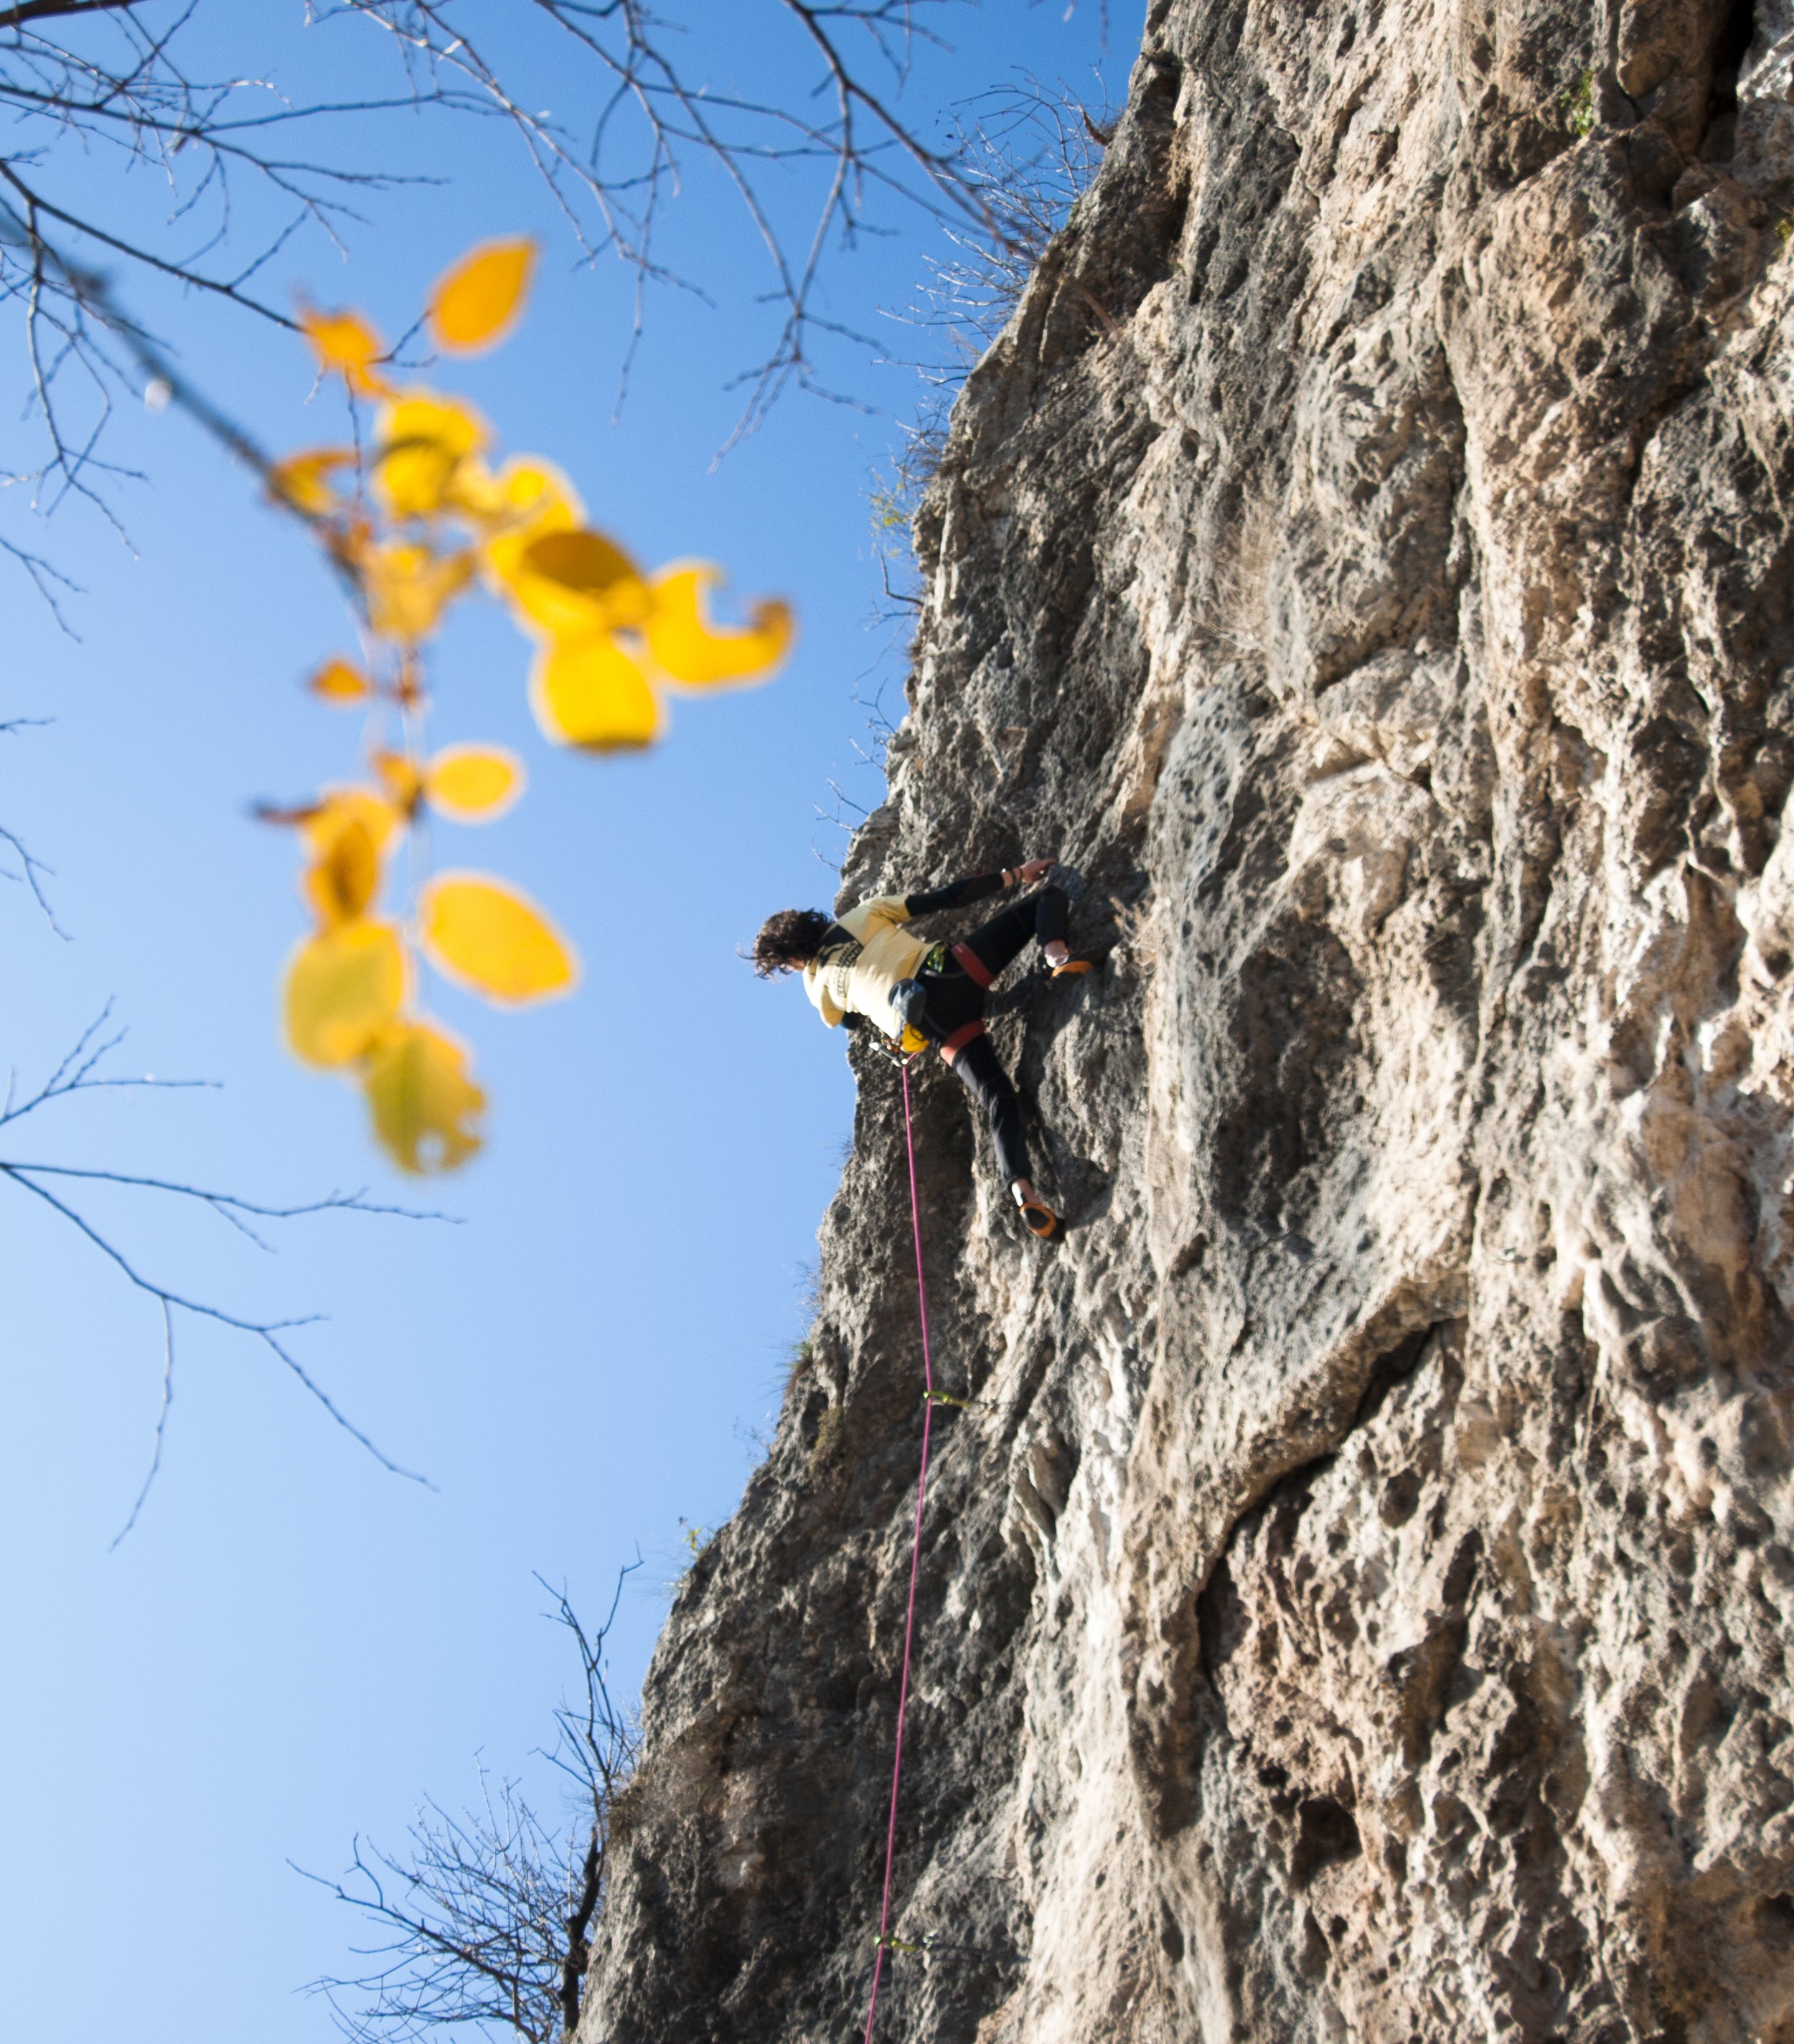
<point x="865" y="966"/>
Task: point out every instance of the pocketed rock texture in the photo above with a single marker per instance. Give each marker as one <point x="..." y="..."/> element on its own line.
<point x="1355" y="1607"/>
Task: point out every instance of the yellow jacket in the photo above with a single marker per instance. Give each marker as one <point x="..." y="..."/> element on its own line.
<point x="858" y="978"/>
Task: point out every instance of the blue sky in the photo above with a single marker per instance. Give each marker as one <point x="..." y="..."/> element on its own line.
<point x="294" y="1646"/>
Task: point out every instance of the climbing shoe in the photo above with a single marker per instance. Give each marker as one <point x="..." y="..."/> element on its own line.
<point x="1039" y="1219"/>
<point x="1072" y="966"/>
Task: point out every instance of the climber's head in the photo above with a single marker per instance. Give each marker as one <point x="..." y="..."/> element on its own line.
<point x="789" y="940"/>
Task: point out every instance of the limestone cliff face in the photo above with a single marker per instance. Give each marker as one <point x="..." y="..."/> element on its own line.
<point x="1357" y="1606"/>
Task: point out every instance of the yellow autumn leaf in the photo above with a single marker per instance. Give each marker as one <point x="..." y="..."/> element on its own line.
<point x="422" y="442"/>
<point x="573" y="583"/>
<point x="421" y="415"/>
<point x="526" y="495"/>
<point x="344" y="987"/>
<point x="473" y="305"/>
<point x="531" y="502"/>
<point x="492" y="940"/>
<point x="345" y="877"/>
<point x="476" y="492"/>
<point x="337" y="681"/>
<point x="473" y="784"/>
<point x="346" y="344"/>
<point x="425" y="1108"/>
<point x="337" y="808"/>
<point x="547" y="608"/>
<point x="588" y="692"/>
<point x="416" y="479"/>
<point x="512" y="530"/>
<point x="408" y="587"/>
<point x="688" y="648"/>
<point x="303" y="479"/>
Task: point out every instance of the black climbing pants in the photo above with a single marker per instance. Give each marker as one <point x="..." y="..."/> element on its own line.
<point x="976" y="1068"/>
<point x="999" y="943"/>
<point x="956" y="999"/>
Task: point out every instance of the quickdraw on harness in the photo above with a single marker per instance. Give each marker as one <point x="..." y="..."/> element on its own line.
<point x="900" y="1050"/>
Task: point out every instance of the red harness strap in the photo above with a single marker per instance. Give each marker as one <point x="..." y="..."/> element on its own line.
<point x="973" y="966"/>
<point x="960" y="1038"/>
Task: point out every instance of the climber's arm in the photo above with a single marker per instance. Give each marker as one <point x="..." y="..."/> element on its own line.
<point x="978" y="887"/>
<point x="955" y="894"/>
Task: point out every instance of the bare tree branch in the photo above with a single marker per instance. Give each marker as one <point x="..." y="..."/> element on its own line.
<point x="79" y="1073"/>
<point x="655" y="121"/>
<point x="492" y="1922"/>
<point x="45" y="10"/>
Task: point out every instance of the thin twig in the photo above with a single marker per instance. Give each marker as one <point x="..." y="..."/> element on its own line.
<point x="161" y="1422"/>
<point x="267" y="1332"/>
<point x="78" y="1072"/>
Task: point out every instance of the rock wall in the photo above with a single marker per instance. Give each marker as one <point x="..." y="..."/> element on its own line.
<point x="1355" y="1606"/>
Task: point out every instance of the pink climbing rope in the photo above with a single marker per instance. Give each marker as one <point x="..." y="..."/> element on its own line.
<point x="914" y="1562"/>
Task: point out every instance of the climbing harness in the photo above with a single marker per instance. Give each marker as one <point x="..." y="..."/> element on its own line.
<point x="968" y="1033"/>
<point x="972" y="965"/>
<point x="885" y="1941"/>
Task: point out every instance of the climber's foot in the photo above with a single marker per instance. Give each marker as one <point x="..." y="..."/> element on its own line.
<point x="1059" y="957"/>
<point x="1038" y="1218"/>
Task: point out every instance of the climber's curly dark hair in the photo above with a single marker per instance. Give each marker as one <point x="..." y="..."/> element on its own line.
<point x="789" y="940"/>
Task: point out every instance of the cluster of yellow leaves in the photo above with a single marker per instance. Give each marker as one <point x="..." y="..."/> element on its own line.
<point x="350" y="984"/>
<point x="417" y="517"/>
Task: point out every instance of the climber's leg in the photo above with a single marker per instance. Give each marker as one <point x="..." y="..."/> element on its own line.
<point x="1051" y="906"/>
<point x="975" y="1067"/>
<point x="1000" y="942"/>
